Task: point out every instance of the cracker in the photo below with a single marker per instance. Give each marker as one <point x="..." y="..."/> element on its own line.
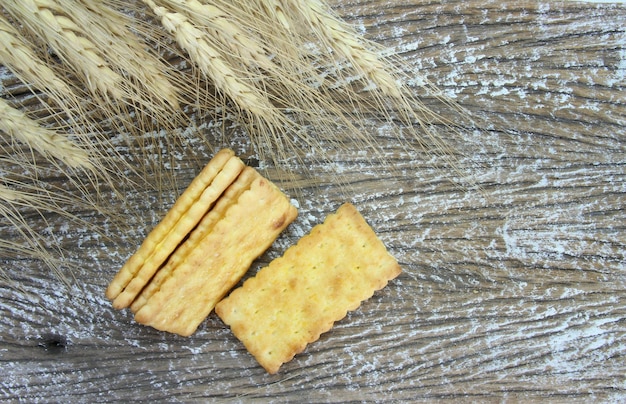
<point x="184" y="215"/>
<point x="298" y="296"/>
<point x="206" y="225"/>
<point x="246" y="223"/>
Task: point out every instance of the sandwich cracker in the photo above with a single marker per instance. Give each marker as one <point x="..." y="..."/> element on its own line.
<point x="187" y="211"/>
<point x="206" y="225"/>
<point x="245" y="223"/>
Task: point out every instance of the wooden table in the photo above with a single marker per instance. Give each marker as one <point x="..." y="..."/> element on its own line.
<point x="511" y="290"/>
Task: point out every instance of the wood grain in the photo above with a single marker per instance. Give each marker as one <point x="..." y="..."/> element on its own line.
<point x="510" y="292"/>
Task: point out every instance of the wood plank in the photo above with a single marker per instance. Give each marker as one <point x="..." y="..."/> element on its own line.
<point x="515" y="291"/>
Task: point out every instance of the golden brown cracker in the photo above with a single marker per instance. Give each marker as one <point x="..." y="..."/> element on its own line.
<point x="184" y="215"/>
<point x="219" y="259"/>
<point x="206" y="225"/>
<point x="298" y="296"/>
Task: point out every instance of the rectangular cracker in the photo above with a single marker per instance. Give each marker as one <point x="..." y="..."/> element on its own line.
<point x="298" y="296"/>
<point x="205" y="226"/>
<point x="184" y="215"/>
<point x="247" y="223"/>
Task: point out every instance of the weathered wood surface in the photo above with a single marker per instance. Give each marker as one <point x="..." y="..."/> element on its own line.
<point x="514" y="292"/>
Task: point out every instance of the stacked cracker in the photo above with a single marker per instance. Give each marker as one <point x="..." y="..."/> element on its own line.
<point x="226" y="218"/>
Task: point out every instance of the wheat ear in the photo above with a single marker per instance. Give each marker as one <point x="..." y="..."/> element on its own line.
<point x="196" y="43"/>
<point x="145" y="72"/>
<point x="266" y="123"/>
<point x="16" y="54"/>
<point x="95" y="42"/>
<point x="270" y="65"/>
<point x="331" y="32"/>
<point x="219" y="25"/>
<point x="127" y="89"/>
<point x="151" y="88"/>
<point x="69" y="41"/>
<point x="384" y="87"/>
<point x="50" y="144"/>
